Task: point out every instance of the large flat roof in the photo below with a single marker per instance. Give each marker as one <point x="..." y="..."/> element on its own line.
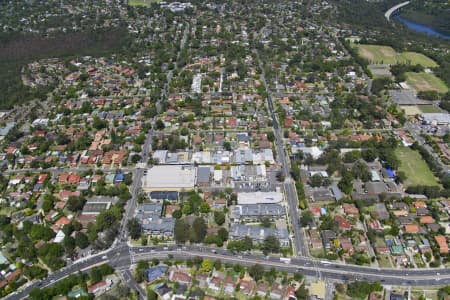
<point x="260" y="197"/>
<point x="169" y="176"/>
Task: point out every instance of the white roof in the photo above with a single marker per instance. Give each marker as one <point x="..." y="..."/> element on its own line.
<point x="314" y="151"/>
<point x="217" y="175"/>
<point x="160" y="155"/>
<point x="259" y="197"/>
<point x="170" y="176"/>
<point x="59" y="237"/>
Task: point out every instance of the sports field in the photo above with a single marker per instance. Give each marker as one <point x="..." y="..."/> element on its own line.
<point x="415" y="168"/>
<point x="429" y="109"/>
<point x="142" y="2"/>
<point x="376" y="54"/>
<point x="425" y="82"/>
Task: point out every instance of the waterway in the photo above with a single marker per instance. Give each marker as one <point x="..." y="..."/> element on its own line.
<point x="421" y="28"/>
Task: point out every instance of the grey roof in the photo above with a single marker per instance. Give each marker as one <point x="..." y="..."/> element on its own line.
<point x="150" y="208"/>
<point x="164" y="195"/>
<point x="258" y="210"/>
<point x="328" y="234"/>
<point x="242" y="137"/>
<point x="257" y="233"/>
<point x="322" y="194"/>
<point x="336" y="192"/>
<point x="203" y="174"/>
<point x="376" y="187"/>
<point x="4" y="131"/>
<point x="405" y="97"/>
<point x="382" y="213"/>
<point x="157" y="225"/>
<point x="440" y="118"/>
<point x="155" y="272"/>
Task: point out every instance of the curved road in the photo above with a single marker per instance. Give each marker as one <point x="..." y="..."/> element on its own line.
<point x="391" y="10"/>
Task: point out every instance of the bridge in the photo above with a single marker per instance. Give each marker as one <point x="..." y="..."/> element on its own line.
<point x="395" y="9"/>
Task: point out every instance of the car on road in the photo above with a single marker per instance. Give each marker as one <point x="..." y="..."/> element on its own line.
<point x="104" y="257"/>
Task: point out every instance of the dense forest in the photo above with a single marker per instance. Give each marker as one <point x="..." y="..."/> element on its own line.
<point x="18" y="50"/>
<point x="435" y="14"/>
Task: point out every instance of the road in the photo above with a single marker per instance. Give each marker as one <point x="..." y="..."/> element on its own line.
<point x="122" y="255"/>
<point x="58" y="170"/>
<point x="391" y="10"/>
<point x="298" y="241"/>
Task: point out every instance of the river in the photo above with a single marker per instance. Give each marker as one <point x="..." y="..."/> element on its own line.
<point x="421" y="28"/>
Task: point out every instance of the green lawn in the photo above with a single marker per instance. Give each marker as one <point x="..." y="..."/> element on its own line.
<point x="384" y="261"/>
<point x="415" y="168"/>
<point x="376" y="54"/>
<point x="428" y="109"/>
<point x="142" y="2"/>
<point x="417" y="58"/>
<point x="425" y="82"/>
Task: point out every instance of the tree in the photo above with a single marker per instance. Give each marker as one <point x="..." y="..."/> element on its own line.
<point x="98" y="124"/>
<point x="4" y="220"/>
<point x="198" y="230"/>
<point x="360" y="289"/>
<point x="265" y="222"/>
<point x="96" y="275"/>
<point x="181" y="231"/>
<point x="361" y="170"/>
<point x="352" y="156"/>
<point x="151" y="295"/>
<point x="302" y="293"/>
<point x="177" y="214"/>
<point x="35" y="272"/>
<point x="134" y="228"/>
<point x="222" y="233"/>
<point x="369" y="155"/>
<point x="247" y="243"/>
<point x="217" y="264"/>
<point x="75" y="203"/>
<point x="135" y="158"/>
<point x="41" y="232"/>
<point x="207" y="265"/>
<point x="47" y="204"/>
<point x="81" y="240"/>
<point x="227" y="146"/>
<point x="159" y="125"/>
<point x="306" y="217"/>
<point x="187" y="209"/>
<point x="256" y="272"/>
<point x="346" y="182"/>
<point x="106" y="270"/>
<point x="316" y="180"/>
<point x="107" y="218"/>
<point x="219" y="217"/>
<point x="394" y="230"/>
<point x="184" y="131"/>
<point x="271" y="245"/>
<point x="204" y="208"/>
<point x="69" y="243"/>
